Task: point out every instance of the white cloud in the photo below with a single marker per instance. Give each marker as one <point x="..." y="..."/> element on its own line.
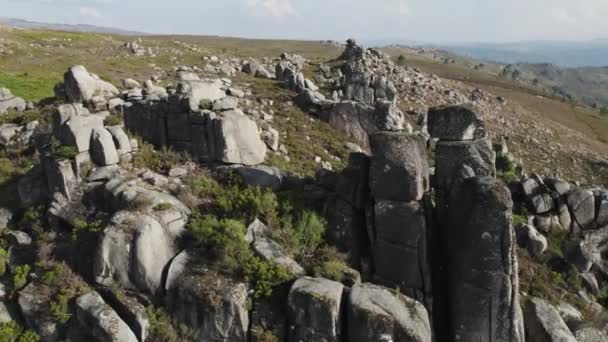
<point x="89" y="12"/>
<point x="562" y="15"/>
<point x="403" y="7"/>
<point x="275" y="8"/>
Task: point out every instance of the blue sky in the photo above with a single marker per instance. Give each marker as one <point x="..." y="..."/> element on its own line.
<point x="408" y="20"/>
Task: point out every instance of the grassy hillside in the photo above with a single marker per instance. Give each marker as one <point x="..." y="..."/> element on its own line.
<point x="550" y="136"/>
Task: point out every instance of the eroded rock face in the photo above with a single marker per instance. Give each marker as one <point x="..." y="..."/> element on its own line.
<point x="33" y="306"/>
<point x="229" y="136"/>
<point x="238" y="139"/>
<point x="481" y="263"/>
<point x="213" y="306"/>
<point x="457" y="123"/>
<point x="314" y="310"/>
<point x="590" y="334"/>
<point x="544" y="324"/>
<point x="582" y="206"/>
<point x="401" y="234"/>
<point x="82" y="86"/>
<point x="399" y="168"/>
<point x="378" y="314"/>
<point x="101" y="320"/>
<point x="450" y="156"/>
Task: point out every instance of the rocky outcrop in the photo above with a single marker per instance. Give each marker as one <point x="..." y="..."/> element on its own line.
<point x="179" y="122"/>
<point x="481" y="264"/>
<point x="399" y="169"/>
<point x="314" y="310"/>
<point x="33" y="307"/>
<point x="211" y="305"/>
<point x="543" y="323"/>
<point x="101" y="321"/>
<point x="378" y="314"/>
<point x="82" y="86"/>
<point x="459" y="123"/>
<point x="10" y="102"/>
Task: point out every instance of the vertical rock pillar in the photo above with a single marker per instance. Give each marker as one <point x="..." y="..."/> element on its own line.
<point x="399" y="181"/>
<point x="476" y="270"/>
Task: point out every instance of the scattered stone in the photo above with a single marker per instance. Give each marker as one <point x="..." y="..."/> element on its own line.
<point x="82" y="86"/>
<point x="531" y="239"/>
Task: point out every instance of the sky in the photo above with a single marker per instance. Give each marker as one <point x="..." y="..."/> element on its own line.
<point x="436" y="21"/>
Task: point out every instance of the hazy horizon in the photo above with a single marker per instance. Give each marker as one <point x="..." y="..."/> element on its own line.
<point x="437" y="22"/>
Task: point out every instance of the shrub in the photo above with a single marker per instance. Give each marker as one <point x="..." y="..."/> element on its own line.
<point x="81" y="226"/>
<point x="21" y="118"/>
<point x="206" y="187"/>
<point x="60" y="151"/>
<point x="519" y="220"/>
<point x="65" y="286"/>
<point x="159" y="161"/>
<point x="163" y="329"/>
<point x="265" y="276"/>
<point x="264" y="336"/>
<point x="116" y="119"/>
<point x="13" y="332"/>
<point x="247" y="203"/>
<point x="304" y="236"/>
<point x="332" y="269"/>
<point x="60" y="307"/>
<point x="223" y="239"/>
<point x="329" y="263"/>
<point x="401" y="60"/>
<point x="235" y="201"/>
<point x="3" y="260"/>
<point x="20" y="277"/>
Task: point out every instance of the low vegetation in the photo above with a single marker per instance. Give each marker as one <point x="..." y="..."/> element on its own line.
<point x="13" y="332"/>
<point x="157" y="160"/>
<point x="162" y="328"/>
<point x="293" y="223"/>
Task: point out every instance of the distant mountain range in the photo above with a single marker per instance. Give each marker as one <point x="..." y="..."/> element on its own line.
<point x="592" y="53"/>
<point x="65" y="27"/>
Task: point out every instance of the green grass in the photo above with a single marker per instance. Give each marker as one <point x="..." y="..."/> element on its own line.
<point x="30" y="87"/>
<point x="304" y="138"/>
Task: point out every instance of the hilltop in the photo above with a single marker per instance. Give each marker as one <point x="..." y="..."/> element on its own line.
<point x="196" y="188"/>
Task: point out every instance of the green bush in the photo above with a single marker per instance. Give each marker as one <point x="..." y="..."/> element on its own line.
<point x="247" y="203"/>
<point x="13" y="332"/>
<point x="401" y="60"/>
<point x="60" y="307"/>
<point x="232" y="200"/>
<point x="302" y="237"/>
<point x="81" y="226"/>
<point x="265" y="276"/>
<point x="116" y="119"/>
<point x="20" y="274"/>
<point x="65" y="286"/>
<point x="3" y="260"/>
<point x="163" y="329"/>
<point x="158" y="161"/>
<point x="519" y="220"/>
<point x="223" y="239"/>
<point x="61" y="152"/>
<point x="7" y="170"/>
